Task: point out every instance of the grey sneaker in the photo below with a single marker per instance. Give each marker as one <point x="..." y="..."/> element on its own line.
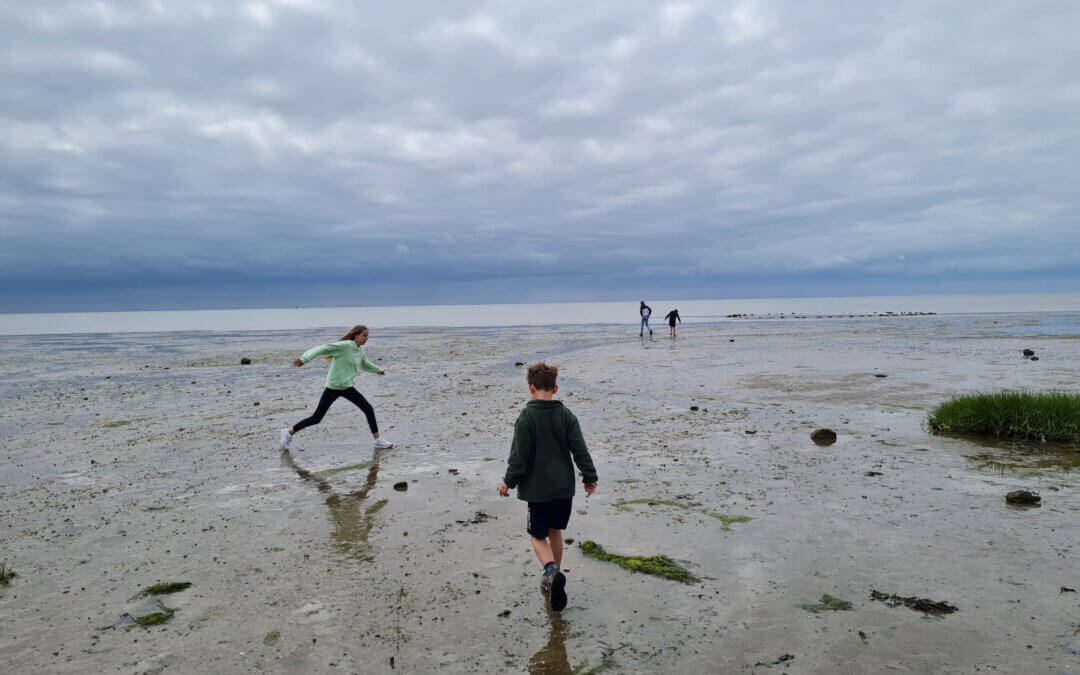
<point x="383" y="443"/>
<point x="286" y="437"/>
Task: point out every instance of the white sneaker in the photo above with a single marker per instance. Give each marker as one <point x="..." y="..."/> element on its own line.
<point x="383" y="443"/>
<point x="285" y="438"/>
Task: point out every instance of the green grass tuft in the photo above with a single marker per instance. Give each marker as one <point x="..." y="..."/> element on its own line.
<point x="656" y="565"/>
<point x="1050" y="416"/>
<point x="828" y="604"/>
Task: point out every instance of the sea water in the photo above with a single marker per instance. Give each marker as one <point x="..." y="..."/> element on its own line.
<point x="576" y="313"/>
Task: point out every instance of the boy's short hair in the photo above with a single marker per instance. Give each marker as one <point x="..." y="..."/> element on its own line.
<point x="542" y="376"/>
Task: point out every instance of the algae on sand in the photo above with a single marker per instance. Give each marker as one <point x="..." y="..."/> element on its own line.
<point x="828" y="603"/>
<point x="724" y="519"/>
<point x="155" y="618"/>
<point x="164" y="588"/>
<point x="656" y="565"/>
<point x="6" y="575"/>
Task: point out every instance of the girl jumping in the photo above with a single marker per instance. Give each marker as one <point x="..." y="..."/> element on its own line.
<point x="345" y="357"/>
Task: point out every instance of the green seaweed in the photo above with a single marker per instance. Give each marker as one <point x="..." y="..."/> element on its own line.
<point x="725" y="520"/>
<point x="377" y="506"/>
<point x="656" y="565"/>
<point x="6" y="575"/>
<point x="341" y="469"/>
<point x="164" y="588"/>
<point x="155" y="618"/>
<point x="272" y="637"/>
<point x="828" y="604"/>
<point x="115" y="423"/>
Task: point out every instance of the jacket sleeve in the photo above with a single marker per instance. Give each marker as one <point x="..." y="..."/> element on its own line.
<point x="366" y="365"/>
<point x="580" y="451"/>
<point x="330" y="349"/>
<point x="521" y="452"/>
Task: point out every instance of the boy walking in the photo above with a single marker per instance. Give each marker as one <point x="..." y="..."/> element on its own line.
<point x="547" y="444"/>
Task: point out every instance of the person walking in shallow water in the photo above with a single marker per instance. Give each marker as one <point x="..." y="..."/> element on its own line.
<point x="345" y="357"/>
<point x="671" y="317"/>
<point x="645" y="312"/>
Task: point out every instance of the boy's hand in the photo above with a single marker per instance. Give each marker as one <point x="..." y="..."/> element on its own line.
<point x="589" y="489"/>
<point x="504" y="491"/>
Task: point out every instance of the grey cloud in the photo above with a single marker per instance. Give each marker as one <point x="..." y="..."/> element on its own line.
<point x="469" y="143"/>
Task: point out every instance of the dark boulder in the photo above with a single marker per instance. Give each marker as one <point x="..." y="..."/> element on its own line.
<point x="245" y="361"/>
<point x="823" y="436"/>
<point x="1022" y="497"/>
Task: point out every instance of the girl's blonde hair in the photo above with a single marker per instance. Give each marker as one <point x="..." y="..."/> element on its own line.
<point x="351" y="335"/>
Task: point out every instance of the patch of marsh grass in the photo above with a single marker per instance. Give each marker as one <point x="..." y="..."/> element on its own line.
<point x="1049" y="416"/>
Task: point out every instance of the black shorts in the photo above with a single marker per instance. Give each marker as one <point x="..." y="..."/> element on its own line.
<point x="544" y="516"/>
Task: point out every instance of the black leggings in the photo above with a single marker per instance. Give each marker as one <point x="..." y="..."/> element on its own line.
<point x="331" y="395"/>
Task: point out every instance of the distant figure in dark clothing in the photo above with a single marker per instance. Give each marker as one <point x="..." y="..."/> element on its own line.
<point x="646" y="312"/>
<point x="672" y="317"/>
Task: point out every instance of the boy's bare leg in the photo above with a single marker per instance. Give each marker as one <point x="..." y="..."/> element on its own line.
<point x="543" y="551"/>
<point x="555" y="537"/>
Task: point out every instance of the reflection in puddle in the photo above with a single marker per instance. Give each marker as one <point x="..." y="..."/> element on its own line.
<point x="352" y="522"/>
<point x="1054" y="463"/>
<point x="552" y="660"/>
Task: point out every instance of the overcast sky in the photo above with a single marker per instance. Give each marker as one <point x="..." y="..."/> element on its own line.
<point x="208" y="153"/>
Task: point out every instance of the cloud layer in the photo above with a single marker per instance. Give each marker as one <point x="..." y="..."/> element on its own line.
<point x="284" y="151"/>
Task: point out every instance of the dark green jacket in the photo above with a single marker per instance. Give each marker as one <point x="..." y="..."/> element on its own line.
<point x="546" y="436"/>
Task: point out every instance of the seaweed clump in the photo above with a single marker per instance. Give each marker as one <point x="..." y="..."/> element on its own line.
<point x="924" y="605"/>
<point x="828" y="604"/>
<point x="155" y="618"/>
<point x="164" y="588"/>
<point x="656" y="565"/>
<point x="6" y="575"/>
<point x="725" y="519"/>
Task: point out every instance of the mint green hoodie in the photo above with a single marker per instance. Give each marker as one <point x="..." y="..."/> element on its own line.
<point x="348" y="356"/>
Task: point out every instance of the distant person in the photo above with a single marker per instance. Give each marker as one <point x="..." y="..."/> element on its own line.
<point x="646" y="312"/>
<point x="345" y="357"/>
<point x="672" y="317"/>
<point x="547" y="444"/>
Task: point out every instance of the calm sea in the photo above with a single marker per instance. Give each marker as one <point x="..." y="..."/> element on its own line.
<point x="522" y="314"/>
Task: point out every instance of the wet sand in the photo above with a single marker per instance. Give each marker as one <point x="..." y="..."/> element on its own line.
<point x="142" y="458"/>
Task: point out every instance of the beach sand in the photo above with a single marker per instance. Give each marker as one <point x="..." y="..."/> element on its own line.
<point x="142" y="458"/>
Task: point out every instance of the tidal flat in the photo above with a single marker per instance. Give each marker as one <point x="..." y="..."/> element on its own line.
<point x="137" y="459"/>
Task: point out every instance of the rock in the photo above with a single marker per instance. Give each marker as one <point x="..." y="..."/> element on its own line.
<point x="401" y="486"/>
<point x="1029" y="352"/>
<point x="1034" y="358"/>
<point x="518" y="364"/>
<point x="880" y="375"/>
<point x="453" y="472"/>
<point x="823" y="436"/>
<point x="245" y="361"/>
<point x="731" y="340"/>
<point x="871" y="474"/>
<point x="1022" y="497"/>
<point x="693" y="408"/>
<point x="256" y="404"/>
